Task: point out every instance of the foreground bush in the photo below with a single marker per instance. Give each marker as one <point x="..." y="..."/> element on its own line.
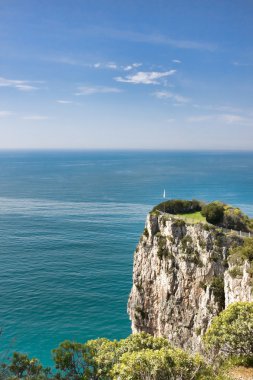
<point x="231" y="332"/>
<point x="138" y="357"/>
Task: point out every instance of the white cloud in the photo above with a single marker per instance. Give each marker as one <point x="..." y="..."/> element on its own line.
<point x="170" y="95"/>
<point x="88" y="90"/>
<point x="230" y="119"/>
<point x="36" y="117"/>
<point x="145" y="77"/>
<point x="219" y="108"/>
<point x="171" y="120"/>
<point x="5" y="114"/>
<point x="199" y="118"/>
<point x="132" y="66"/>
<point x="105" y="65"/>
<point x="21" y="85"/>
<point x="64" y="101"/>
<point x="176" y="61"/>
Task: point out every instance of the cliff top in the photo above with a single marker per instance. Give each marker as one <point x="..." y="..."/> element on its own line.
<point x="216" y="213"/>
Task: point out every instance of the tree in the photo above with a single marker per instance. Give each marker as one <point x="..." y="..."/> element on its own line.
<point x="213" y="212"/>
<point x="22" y="367"/>
<point x="231" y="332"/>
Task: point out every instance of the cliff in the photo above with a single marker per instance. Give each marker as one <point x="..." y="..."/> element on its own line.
<point x="183" y="276"/>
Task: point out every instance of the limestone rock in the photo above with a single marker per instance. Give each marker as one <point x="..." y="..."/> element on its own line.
<point x="181" y="279"/>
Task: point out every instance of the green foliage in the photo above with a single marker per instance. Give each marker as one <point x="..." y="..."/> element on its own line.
<point x="240" y="253"/>
<point x="162" y="247"/>
<point x="186" y="242"/>
<point x="235" y="219"/>
<point x="178" y="206"/>
<point x="178" y="223"/>
<point x="213" y="212"/>
<point x="140" y="356"/>
<point x="21" y="367"/>
<point x="145" y="232"/>
<point x="217" y="287"/>
<point x="235" y="272"/>
<point x="163" y="364"/>
<point x="73" y="360"/>
<point x="231" y="332"/>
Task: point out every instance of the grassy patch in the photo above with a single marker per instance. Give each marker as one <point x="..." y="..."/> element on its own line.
<point x="194" y="217"/>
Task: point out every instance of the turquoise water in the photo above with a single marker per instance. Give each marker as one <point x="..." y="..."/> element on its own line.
<point x="69" y="223"/>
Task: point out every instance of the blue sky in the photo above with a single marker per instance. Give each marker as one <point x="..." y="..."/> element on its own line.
<point x="103" y="74"/>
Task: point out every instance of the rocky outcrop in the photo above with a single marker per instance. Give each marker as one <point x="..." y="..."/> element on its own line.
<point x="182" y="279"/>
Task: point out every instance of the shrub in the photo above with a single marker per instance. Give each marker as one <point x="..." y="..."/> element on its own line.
<point x="244" y="252"/>
<point x="217" y="287"/>
<point x="163" y="364"/>
<point x="231" y="332"/>
<point x="213" y="212"/>
<point x="235" y="272"/>
<point x="235" y="219"/>
<point x="178" y="206"/>
<point x="162" y="247"/>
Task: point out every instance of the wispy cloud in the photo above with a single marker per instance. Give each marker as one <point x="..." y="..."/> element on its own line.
<point x="169" y="95"/>
<point x="232" y="119"/>
<point x="132" y="66"/>
<point x="242" y="63"/>
<point x="176" y="61"/>
<point x="145" y="77"/>
<point x="21" y="85"/>
<point x="227" y="119"/>
<point x="64" y="101"/>
<point x="5" y="114"/>
<point x="64" y="60"/>
<point x="105" y="65"/>
<point x="90" y="90"/>
<point x="219" y="108"/>
<point x="199" y="118"/>
<point x="36" y="117"/>
<point x="155" y="38"/>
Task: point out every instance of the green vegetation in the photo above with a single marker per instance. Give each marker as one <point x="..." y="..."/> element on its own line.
<point x="213" y="212"/>
<point x="235" y="219"/>
<point x="217" y="287"/>
<point x="194" y="217"/>
<point x="140" y="356"/>
<point x="216" y="213"/>
<point x="231" y="332"/>
<point x="178" y="206"/>
<point x="162" y="247"/>
<point x="236" y="272"/>
<point x="238" y="254"/>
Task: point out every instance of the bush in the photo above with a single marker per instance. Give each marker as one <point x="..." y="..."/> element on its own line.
<point x="178" y="206"/>
<point x="235" y="219"/>
<point x="163" y="364"/>
<point x="231" y="332"/>
<point x="217" y="287"/>
<point x="213" y="212"/>
<point x="239" y="254"/>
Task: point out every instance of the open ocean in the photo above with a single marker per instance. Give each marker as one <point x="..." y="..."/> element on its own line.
<point x="69" y="224"/>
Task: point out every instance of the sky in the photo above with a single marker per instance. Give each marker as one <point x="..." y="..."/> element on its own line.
<point x="139" y="74"/>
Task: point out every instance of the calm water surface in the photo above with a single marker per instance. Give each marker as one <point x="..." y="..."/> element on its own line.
<point x="69" y="224"/>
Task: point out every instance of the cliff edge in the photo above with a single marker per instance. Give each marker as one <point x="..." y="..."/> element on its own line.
<point x="183" y="276"/>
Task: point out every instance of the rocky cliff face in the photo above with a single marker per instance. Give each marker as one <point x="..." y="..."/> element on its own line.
<point x="182" y="279"/>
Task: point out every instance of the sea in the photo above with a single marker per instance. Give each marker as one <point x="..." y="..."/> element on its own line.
<point x="69" y="225"/>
